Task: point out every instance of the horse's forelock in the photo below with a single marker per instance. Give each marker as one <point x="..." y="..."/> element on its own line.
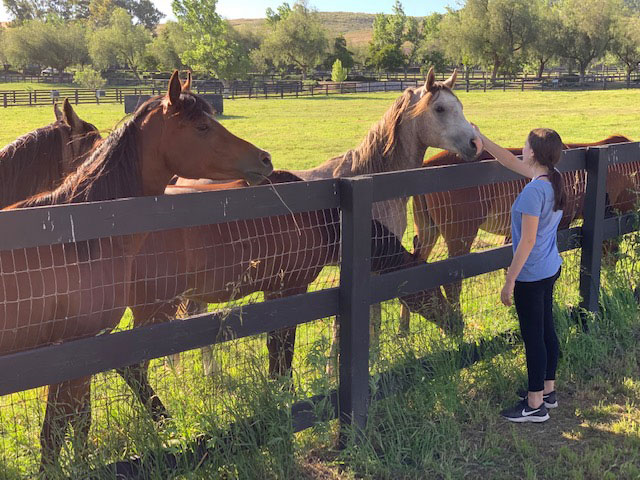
<point x="429" y="96"/>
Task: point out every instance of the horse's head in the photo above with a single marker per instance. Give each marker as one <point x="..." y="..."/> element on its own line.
<point x="82" y="136"/>
<point x="194" y="144"/>
<point x="439" y="119"/>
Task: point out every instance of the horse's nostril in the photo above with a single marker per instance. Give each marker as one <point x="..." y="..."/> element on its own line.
<point x="266" y="160"/>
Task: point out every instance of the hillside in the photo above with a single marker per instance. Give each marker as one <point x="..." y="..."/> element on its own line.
<point x="357" y="28"/>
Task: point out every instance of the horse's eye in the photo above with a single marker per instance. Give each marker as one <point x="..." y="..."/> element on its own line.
<point x="203" y="127"/>
<point x="439" y="109"/>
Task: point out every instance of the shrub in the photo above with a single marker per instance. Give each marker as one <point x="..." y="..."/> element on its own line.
<point x="338" y="73"/>
<point x="89" y="78"/>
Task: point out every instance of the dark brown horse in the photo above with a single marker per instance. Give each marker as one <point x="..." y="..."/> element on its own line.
<point x="459" y="214"/>
<point x="57" y="293"/>
<point x="38" y="161"/>
<point x="280" y="256"/>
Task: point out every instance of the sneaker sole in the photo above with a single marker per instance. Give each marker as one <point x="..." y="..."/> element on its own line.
<point x="546" y="404"/>
<point x="531" y="418"/>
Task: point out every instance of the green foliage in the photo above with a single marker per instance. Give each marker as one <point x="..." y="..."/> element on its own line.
<point x="338" y="73"/>
<point x="297" y="40"/>
<point x="89" y="78"/>
<point x="4" y="58"/>
<point x="165" y="49"/>
<point x="492" y="33"/>
<point x="121" y="42"/>
<point x="626" y="41"/>
<point x="51" y="43"/>
<point x="395" y="40"/>
<point x="430" y="49"/>
<point x="143" y="11"/>
<point x="212" y="44"/>
<point x="587" y="29"/>
<point x="282" y="12"/>
<point x="23" y="10"/>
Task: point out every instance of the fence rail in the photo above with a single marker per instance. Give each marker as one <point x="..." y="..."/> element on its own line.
<point x="289" y="89"/>
<point x="350" y="301"/>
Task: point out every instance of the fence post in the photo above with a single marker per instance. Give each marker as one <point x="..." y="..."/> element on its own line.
<point x="467" y="82"/>
<point x="4" y="102"/>
<point x="592" y="227"/>
<point x="76" y="95"/>
<point x="353" y="320"/>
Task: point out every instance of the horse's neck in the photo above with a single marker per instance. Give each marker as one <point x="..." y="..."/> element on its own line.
<point x="369" y="157"/>
<point x="30" y="165"/>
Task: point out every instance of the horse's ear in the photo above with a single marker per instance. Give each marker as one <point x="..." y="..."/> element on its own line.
<point x="173" y="93"/>
<point x="57" y="112"/>
<point x="186" y="86"/>
<point x="451" y="81"/>
<point x="431" y="79"/>
<point x="70" y="117"/>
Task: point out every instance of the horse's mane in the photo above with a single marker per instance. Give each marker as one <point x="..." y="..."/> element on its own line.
<point x="36" y="156"/>
<point x="113" y="170"/>
<point x="379" y="150"/>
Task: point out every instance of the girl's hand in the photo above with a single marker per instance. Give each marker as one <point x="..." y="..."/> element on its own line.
<point x="507" y="293"/>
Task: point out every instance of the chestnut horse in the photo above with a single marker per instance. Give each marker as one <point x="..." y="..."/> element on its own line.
<point x="459" y="214"/>
<point x="56" y="293"/>
<point x="38" y="161"/>
<point x="280" y="256"/>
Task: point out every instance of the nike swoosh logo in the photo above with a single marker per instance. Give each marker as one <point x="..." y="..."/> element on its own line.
<point x="526" y="414"/>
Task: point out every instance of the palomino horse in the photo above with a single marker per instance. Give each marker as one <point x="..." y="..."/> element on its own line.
<point x="56" y="293"/>
<point x="38" y="161"/>
<point x="280" y="256"/>
<point x="459" y="214"/>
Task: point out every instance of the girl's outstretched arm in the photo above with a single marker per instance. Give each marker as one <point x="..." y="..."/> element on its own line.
<point x="505" y="157"/>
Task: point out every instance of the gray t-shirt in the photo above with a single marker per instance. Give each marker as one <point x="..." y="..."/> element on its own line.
<point x="537" y="199"/>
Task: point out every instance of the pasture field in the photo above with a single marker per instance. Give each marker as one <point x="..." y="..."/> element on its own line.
<point x="447" y="426"/>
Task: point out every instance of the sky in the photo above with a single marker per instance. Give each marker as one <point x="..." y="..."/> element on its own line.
<point x="256" y="8"/>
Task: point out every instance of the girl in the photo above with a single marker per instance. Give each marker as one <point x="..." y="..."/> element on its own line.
<point x="535" y="267"/>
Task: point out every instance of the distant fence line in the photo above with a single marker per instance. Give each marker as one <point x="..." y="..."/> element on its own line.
<point x="282" y="89"/>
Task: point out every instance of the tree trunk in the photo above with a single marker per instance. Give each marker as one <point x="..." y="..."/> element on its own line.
<point x="541" y="66"/>
<point x="583" y="69"/>
<point x="494" y="72"/>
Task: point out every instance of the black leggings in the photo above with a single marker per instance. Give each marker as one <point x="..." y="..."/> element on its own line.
<point x="534" y="302"/>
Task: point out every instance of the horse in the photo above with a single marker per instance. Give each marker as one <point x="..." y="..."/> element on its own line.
<point x="459" y="214"/>
<point x="279" y="255"/>
<point x="61" y="292"/>
<point x="39" y="160"/>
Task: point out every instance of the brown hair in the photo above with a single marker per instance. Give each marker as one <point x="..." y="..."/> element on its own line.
<point x="546" y="145"/>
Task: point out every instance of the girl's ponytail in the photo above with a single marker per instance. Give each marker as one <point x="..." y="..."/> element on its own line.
<point x="547" y="151"/>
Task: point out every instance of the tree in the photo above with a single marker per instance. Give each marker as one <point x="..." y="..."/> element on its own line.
<point x="493" y="33"/>
<point x="340" y="52"/>
<point x="338" y="73"/>
<point x="212" y="44"/>
<point x="142" y="11"/>
<point x="166" y="48"/>
<point x="587" y="30"/>
<point x="4" y="58"/>
<point x="430" y="51"/>
<point x="23" y="10"/>
<point x="274" y="17"/>
<point x="298" y="39"/>
<point x="121" y="42"/>
<point x="626" y="42"/>
<point x="395" y="40"/>
<point x="544" y="46"/>
<point x="51" y="43"/>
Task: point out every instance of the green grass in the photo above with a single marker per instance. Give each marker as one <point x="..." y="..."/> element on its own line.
<point x="447" y="425"/>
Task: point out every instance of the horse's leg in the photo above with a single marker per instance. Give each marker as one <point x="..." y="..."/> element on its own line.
<point x="68" y="402"/>
<point x="281" y="343"/>
<point x="209" y="364"/>
<point x="425" y="239"/>
<point x="136" y="376"/>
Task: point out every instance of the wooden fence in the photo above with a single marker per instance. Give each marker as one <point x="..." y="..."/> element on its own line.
<point x="288" y="89"/>
<point x="350" y="301"/>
